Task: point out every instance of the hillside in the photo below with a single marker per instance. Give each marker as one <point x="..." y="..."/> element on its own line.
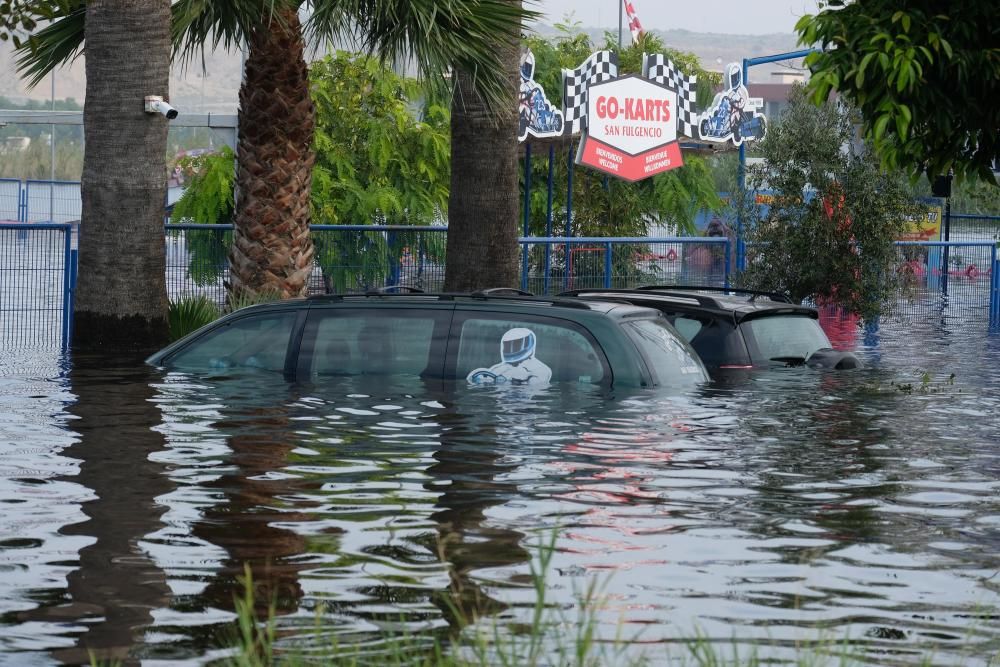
<point x="216" y="91"/>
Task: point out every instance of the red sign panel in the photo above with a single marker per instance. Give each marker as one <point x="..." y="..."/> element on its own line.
<point x="611" y="160"/>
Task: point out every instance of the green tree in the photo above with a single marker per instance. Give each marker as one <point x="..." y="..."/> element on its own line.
<point x="923" y="74"/>
<point x="828" y="232"/>
<point x="382" y="157"/>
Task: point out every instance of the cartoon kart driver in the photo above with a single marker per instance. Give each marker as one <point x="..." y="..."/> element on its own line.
<point x="737" y="94"/>
<point x="518" y="365"/>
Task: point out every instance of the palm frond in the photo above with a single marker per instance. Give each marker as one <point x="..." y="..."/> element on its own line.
<point x="58" y="43"/>
<point x="437" y="35"/>
<point x="197" y="25"/>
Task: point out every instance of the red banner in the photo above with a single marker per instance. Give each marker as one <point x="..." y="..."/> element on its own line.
<point x="610" y="160"/>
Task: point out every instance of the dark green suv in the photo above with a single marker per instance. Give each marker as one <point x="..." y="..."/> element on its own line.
<point x="735" y="329"/>
<point x="493" y="337"/>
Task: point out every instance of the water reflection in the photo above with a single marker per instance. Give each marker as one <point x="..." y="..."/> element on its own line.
<point x="793" y="505"/>
<point x="111" y="594"/>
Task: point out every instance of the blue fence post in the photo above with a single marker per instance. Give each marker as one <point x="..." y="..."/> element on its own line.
<point x="22" y="204"/>
<point x="67" y="314"/>
<point x="548" y="218"/>
<point x="607" y="265"/>
<point x="394" y="268"/>
<point x="727" y="256"/>
<point x="994" y="289"/>
<point x="569" y="214"/>
<point x="527" y="215"/>
<point x="74" y="276"/>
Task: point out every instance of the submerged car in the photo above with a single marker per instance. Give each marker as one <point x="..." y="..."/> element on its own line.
<point x="737" y="329"/>
<point x="490" y="337"/>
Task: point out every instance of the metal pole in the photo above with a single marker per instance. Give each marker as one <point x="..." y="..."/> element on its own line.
<point x="527" y="214"/>
<point x="994" y="288"/>
<point x="569" y="214"/>
<point x="67" y="312"/>
<point x="548" y="220"/>
<point x="741" y="177"/>
<point x="52" y="152"/>
<point x="607" y="266"/>
<point x="947" y="238"/>
<point x="621" y="3"/>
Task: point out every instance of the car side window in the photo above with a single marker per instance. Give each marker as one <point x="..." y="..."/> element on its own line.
<point x="516" y="351"/>
<point x="672" y="359"/>
<point x="372" y="342"/>
<point x="687" y="327"/>
<point x="257" y="341"/>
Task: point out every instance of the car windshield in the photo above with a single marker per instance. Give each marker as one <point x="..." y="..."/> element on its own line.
<point x="782" y="336"/>
<point x="672" y="360"/>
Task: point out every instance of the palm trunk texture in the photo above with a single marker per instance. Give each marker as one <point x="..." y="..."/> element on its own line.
<point x="272" y="252"/>
<point x="121" y="296"/>
<point x="483" y="205"/>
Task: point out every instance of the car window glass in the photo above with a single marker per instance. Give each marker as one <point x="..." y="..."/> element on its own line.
<point x="671" y="359"/>
<point x="250" y="342"/>
<point x="376" y="342"/>
<point x="525" y="352"/>
<point x="687" y="327"/>
<point x="785" y="336"/>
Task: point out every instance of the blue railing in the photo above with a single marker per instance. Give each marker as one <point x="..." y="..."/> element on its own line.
<point x="37" y="279"/>
<point x="37" y="269"/>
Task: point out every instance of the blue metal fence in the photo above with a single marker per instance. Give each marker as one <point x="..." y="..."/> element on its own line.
<point x="36" y="285"/>
<point x="553" y="264"/>
<point x="957" y="281"/>
<point x="971" y="227"/>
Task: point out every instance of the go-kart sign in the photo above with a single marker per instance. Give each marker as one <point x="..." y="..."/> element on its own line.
<point x="631" y="129"/>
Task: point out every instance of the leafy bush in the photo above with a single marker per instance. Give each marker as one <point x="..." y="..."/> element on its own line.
<point x="829" y="230"/>
<point x="189" y="314"/>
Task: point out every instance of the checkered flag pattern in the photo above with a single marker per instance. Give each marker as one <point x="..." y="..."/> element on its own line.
<point x="657" y="67"/>
<point x="598" y="67"/>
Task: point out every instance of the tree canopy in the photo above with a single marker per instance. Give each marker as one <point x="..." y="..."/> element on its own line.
<point x="924" y="75"/>
<point x="828" y="231"/>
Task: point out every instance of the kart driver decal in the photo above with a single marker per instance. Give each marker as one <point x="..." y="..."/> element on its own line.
<point x="517" y="366"/>
<point x="730" y="115"/>
<point x="536" y="115"/>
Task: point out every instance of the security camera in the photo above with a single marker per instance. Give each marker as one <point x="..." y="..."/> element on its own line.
<point x="155" y="104"/>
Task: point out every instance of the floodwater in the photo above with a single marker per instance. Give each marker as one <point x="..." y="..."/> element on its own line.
<point x="792" y="508"/>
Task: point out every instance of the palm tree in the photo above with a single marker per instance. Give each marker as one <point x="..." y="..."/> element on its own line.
<point x="121" y="297"/>
<point x="483" y="203"/>
<point x="272" y="251"/>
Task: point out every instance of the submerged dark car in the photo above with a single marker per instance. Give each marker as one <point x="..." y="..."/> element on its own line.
<point x="738" y="329"/>
<point x="493" y="337"/>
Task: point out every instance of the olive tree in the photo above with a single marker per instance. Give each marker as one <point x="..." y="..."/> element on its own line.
<point x="833" y="214"/>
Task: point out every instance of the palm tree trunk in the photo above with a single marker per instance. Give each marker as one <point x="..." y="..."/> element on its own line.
<point x="272" y="251"/>
<point x="121" y="298"/>
<point x="483" y="205"/>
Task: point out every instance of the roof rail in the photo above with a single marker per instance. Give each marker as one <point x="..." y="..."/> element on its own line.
<point x="497" y="291"/>
<point x="773" y="296"/>
<point x="393" y="289"/>
<point x="499" y="294"/>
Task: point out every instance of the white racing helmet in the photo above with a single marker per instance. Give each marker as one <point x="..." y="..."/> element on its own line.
<point x="734" y="75"/>
<point x="517" y="345"/>
<point x="527" y="65"/>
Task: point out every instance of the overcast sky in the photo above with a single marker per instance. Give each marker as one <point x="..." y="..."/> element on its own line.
<point x="725" y="16"/>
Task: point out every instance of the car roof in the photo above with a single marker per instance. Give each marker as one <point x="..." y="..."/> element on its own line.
<point x="616" y="308"/>
<point x="735" y="303"/>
